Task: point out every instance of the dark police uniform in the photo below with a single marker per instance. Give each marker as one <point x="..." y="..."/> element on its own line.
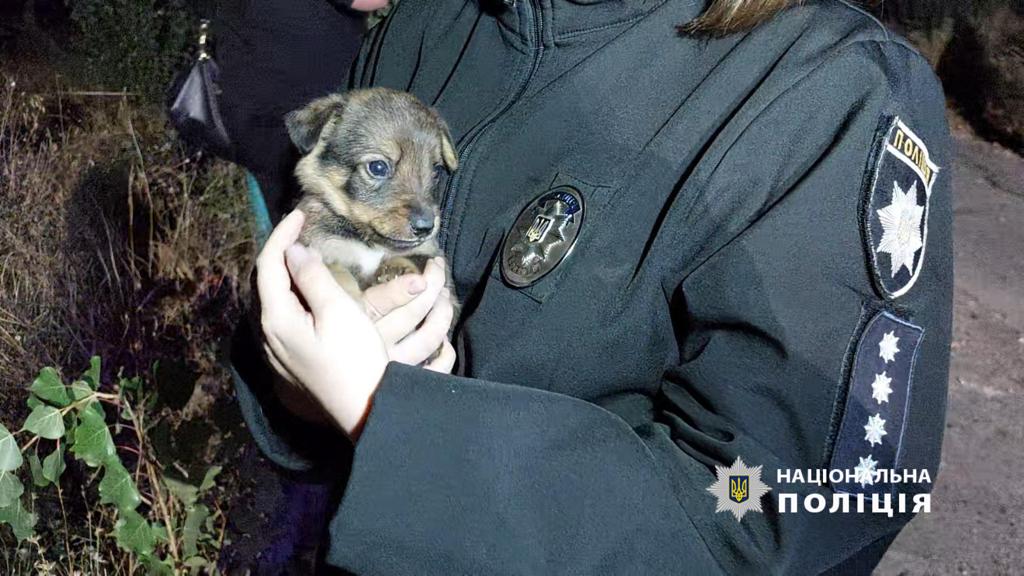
<point x="674" y="252"/>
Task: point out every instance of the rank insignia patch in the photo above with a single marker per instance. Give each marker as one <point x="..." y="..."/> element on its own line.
<point x="871" y="432"/>
<point x="896" y="209"/>
<point x="542" y="236"/>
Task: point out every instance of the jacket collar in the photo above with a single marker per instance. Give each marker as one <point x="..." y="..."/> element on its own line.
<point x="565" y="19"/>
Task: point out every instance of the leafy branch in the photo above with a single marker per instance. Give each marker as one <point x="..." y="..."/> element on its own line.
<point x="169" y="532"/>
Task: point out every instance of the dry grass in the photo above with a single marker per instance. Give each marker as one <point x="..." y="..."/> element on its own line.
<point x="111" y="234"/>
<point x="114" y="241"/>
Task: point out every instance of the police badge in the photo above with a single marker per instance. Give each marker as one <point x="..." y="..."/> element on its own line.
<point x="542" y="236"/>
<point x="896" y="209"/>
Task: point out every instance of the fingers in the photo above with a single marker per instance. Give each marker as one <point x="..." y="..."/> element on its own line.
<point x="314" y="281"/>
<point x="382" y="299"/>
<point x="272" y="280"/>
<point x="278" y="366"/>
<point x="445" y="361"/>
<point x="368" y="5"/>
<point x="417" y="347"/>
<point x="403" y="320"/>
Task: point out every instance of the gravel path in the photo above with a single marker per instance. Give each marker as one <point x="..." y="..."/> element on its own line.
<point x="977" y="521"/>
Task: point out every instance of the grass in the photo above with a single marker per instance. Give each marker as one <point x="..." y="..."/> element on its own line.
<point x="112" y="233"/>
<point x="114" y="241"/>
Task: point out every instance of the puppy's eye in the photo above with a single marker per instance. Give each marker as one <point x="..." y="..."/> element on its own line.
<point x="439" y="171"/>
<point x="378" y="168"/>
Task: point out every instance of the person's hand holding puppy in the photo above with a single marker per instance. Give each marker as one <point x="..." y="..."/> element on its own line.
<point x="327" y="344"/>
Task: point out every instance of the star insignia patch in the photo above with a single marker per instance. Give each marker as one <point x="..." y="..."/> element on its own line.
<point x="871" y="432"/>
<point x="896" y="208"/>
<point x="738" y="488"/>
<point x="880" y="388"/>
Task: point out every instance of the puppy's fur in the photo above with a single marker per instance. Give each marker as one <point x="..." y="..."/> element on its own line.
<point x="370" y="171"/>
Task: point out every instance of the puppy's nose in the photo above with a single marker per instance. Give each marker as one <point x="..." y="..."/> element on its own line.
<point x="422" y="222"/>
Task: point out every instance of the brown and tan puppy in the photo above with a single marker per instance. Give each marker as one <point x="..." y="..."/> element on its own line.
<point x="372" y="160"/>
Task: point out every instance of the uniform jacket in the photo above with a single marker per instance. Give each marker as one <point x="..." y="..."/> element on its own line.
<point x="723" y="299"/>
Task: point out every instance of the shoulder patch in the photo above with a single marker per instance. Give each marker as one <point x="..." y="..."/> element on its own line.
<point x="895" y="218"/>
<point x="872" y="428"/>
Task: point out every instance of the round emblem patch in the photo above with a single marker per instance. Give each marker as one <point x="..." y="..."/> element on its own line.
<point x="542" y="236"/>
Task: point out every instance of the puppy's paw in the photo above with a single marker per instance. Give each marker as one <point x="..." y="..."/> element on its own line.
<point x="394" y="267"/>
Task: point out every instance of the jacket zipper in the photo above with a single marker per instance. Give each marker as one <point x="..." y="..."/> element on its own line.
<point x="466" y="151"/>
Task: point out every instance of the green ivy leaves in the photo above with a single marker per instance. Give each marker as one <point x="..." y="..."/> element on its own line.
<point x="118" y="488"/>
<point x="11" y="510"/>
<point x="46" y="422"/>
<point x="48" y="470"/>
<point x="49" y="387"/>
<point x="10" y="488"/>
<point x="19" y="519"/>
<point x="10" y="454"/>
<point x="92" y="375"/>
<point x="53" y="465"/>
<point x="134" y="533"/>
<point x="194" y="521"/>
<point x="198" y="525"/>
<point x="185" y="493"/>
<point x="52" y="417"/>
<point x="71" y="417"/>
<point x="93" y="443"/>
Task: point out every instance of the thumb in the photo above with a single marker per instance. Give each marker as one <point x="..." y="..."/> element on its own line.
<point x="314" y="281"/>
<point x="382" y="299"/>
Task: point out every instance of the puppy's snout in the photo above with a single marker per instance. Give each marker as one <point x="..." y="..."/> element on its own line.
<point x="421" y="220"/>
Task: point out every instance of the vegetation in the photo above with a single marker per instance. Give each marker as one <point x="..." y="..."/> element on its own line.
<point x="133" y="45"/>
<point x="124" y="244"/>
<point x="121" y="243"/>
<point x="137" y="517"/>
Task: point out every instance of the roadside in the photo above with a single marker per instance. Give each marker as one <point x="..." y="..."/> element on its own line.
<point x="975" y="526"/>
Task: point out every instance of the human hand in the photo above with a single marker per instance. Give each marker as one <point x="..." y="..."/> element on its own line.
<point x="368" y="5"/>
<point x="412" y="313"/>
<point x="328" y="346"/>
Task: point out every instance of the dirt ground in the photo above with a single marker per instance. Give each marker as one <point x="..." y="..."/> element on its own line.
<point x="977" y="521"/>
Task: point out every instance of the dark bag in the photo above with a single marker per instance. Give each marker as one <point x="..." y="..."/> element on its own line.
<point x="194" y="107"/>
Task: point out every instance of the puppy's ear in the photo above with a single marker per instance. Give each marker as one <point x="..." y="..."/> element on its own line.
<point x="448" y="153"/>
<point x="305" y="124"/>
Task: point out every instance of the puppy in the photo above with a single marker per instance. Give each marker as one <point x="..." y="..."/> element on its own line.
<point x="372" y="161"/>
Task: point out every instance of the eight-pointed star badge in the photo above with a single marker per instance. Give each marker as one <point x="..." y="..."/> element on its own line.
<point x="896" y="209"/>
<point x="542" y="236"/>
<point x="901" y="229"/>
<point x="738" y="488"/>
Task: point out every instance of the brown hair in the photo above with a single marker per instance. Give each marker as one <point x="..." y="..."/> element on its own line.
<point x="727" y="16"/>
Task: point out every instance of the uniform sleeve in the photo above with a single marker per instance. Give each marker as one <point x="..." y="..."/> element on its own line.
<point x="455" y="475"/>
<point x="463" y="476"/>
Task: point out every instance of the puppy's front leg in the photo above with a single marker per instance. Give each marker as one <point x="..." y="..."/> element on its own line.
<point x="397" y="266"/>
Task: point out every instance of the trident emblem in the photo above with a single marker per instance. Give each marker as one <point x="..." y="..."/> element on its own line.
<point x="540" y="228"/>
<point x="738" y="488"/>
